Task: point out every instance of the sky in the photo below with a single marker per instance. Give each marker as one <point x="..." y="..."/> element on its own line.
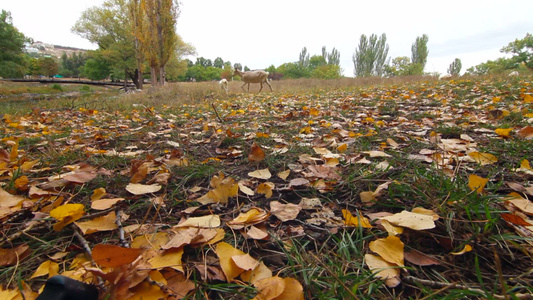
<point x="258" y="34"/>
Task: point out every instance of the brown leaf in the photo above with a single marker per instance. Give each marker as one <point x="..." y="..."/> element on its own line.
<point x="514" y="219"/>
<point x="256" y="154"/>
<point x="113" y="256"/>
<point x="284" y="212"/>
<point x="13" y="256"/>
<point x="419" y="258"/>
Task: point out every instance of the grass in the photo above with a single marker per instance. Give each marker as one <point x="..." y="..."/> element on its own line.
<point x="215" y="132"/>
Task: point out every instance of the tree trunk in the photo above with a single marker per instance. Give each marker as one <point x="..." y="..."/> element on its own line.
<point x="154" y="76"/>
<point x="162" y="79"/>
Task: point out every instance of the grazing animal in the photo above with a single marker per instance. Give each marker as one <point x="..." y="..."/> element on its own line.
<point x="253" y="77"/>
<point x="513" y="73"/>
<point x="445" y="76"/>
<point x="223" y="84"/>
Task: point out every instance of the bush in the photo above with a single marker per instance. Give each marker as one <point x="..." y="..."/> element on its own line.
<point x="57" y="87"/>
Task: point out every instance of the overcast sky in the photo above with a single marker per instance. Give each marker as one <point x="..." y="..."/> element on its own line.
<point x="258" y="34"/>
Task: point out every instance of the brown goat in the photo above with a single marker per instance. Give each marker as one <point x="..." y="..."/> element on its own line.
<point x="253" y="77"/>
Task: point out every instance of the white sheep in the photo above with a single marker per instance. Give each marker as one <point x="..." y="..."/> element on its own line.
<point x="445" y="76"/>
<point x="253" y="77"/>
<point x="223" y="84"/>
<point x="513" y="73"/>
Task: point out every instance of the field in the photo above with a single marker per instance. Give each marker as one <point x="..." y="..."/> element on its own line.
<point x="408" y="188"/>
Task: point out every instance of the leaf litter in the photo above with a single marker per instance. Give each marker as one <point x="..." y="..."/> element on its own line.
<point x="336" y="155"/>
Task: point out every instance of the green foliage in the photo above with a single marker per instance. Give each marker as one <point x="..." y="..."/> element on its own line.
<point x="72" y="66"/>
<point x="419" y="54"/>
<point x="96" y="68"/>
<point x="455" y="67"/>
<point x="369" y="58"/>
<point x="493" y="66"/>
<point x="402" y="66"/>
<point x="522" y="50"/>
<point x="56" y="86"/>
<point x="47" y="66"/>
<point x="12" y="59"/>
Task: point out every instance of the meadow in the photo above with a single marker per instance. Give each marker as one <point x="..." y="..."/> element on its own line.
<point x="398" y="188"/>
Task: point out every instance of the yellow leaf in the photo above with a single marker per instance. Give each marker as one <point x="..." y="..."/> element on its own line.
<point x="503" y="132"/>
<point x="411" y="220"/>
<point x="476" y="183"/>
<point x="467" y="248"/>
<point x="524" y="164"/>
<point x="209" y="221"/>
<point x="102" y="204"/>
<point x="140" y="189"/>
<point x="223" y="189"/>
<point x="528" y="98"/>
<point x="14" y="151"/>
<point x="104" y="223"/>
<point x="391" y="229"/>
<point x="245" y="262"/>
<point x="342" y="148"/>
<point x="350" y="220"/>
<point x="389" y="248"/>
<point x="367" y="197"/>
<point x="521" y="203"/>
<point x="66" y="214"/>
<point x="483" y="158"/>
<point x="269" y="288"/>
<point x="260" y="272"/>
<point x="147" y="291"/>
<point x="97" y="194"/>
<point x="385" y="270"/>
<point x="496" y="99"/>
<point x="48" y="267"/>
<point x="169" y="259"/>
<point x="284" y="174"/>
<point x="266" y="189"/>
<point x="225" y="252"/>
<point x="9" y="200"/>
<point x="261" y="174"/>
<point x="114" y="256"/>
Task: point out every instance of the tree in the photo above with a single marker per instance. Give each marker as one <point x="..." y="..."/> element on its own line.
<point x="522" y="50"/>
<point x="162" y="16"/>
<point x="47" y="66"/>
<point x="218" y="63"/>
<point x="455" y="67"/>
<point x="303" y="61"/>
<point x="12" y="58"/>
<point x="419" y="54"/>
<point x="110" y="28"/>
<point x="370" y="56"/>
<point x="334" y="58"/>
<point x="97" y="68"/>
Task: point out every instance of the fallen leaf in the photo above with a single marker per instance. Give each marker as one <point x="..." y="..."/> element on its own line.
<point x="476" y="183"/>
<point x="503" y="132"/>
<point x="256" y="154"/>
<point x="9" y="200"/>
<point x="389" y="248"/>
<point x="521" y="203"/>
<point x="245" y="262"/>
<point x="384" y="270"/>
<point x="103" y="204"/>
<point x="104" y="223"/>
<point x="467" y="248"/>
<point x="526" y="132"/>
<point x="419" y="258"/>
<point x="225" y="252"/>
<point x="113" y="256"/>
<point x="209" y="221"/>
<point x="483" y="158"/>
<point x="98" y="194"/>
<point x="141" y="189"/>
<point x="284" y="212"/>
<point x="284" y="174"/>
<point x="350" y="220"/>
<point x="260" y="174"/>
<point x="411" y="220"/>
<point x="269" y="288"/>
<point x="67" y="214"/>
<point x="376" y="153"/>
<point x="48" y="267"/>
<point x="13" y="256"/>
<point x="168" y="259"/>
<point x="266" y="189"/>
<point x="260" y="272"/>
<point x="515" y="219"/>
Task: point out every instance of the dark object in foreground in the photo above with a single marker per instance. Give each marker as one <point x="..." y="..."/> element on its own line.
<point x="63" y="288"/>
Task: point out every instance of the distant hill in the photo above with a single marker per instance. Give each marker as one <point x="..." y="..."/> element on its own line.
<point x="39" y="49"/>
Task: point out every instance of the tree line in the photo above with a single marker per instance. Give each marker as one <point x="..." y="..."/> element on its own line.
<point x="137" y="39"/>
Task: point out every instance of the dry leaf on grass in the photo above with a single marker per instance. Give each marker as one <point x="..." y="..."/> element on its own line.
<point x="284" y="212"/>
<point x="141" y="189"/>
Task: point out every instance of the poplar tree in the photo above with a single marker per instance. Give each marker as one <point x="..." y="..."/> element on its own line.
<point x="455" y="67"/>
<point x="370" y="56"/>
<point x="419" y="54"/>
